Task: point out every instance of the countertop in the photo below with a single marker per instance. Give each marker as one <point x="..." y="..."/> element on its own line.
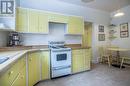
<point x="14" y="53"/>
<point x="13" y="57"/>
<point x="16" y="48"/>
<point x="77" y="46"/>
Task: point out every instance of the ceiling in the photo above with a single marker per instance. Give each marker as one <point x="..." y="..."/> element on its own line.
<point x="105" y="5"/>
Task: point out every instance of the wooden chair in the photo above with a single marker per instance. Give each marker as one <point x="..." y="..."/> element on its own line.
<point x="113" y="53"/>
<point x="123" y="60"/>
<point x="104" y="54"/>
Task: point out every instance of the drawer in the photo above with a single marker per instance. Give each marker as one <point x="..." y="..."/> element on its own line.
<point x="9" y="76"/>
<point x="77" y="52"/>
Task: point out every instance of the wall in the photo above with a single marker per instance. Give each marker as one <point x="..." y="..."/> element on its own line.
<point x="56" y="33"/>
<point x="96" y="43"/>
<point x="3" y="38"/>
<point x="88" y="14"/>
<point x="122" y="42"/>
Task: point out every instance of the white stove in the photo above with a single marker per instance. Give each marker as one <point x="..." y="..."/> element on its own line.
<point x="60" y="59"/>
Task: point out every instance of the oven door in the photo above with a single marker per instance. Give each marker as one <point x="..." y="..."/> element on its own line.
<point x="61" y="58"/>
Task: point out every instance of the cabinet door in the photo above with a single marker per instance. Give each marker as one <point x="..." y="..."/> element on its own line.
<point x="87" y="36"/>
<point x="43" y="26"/>
<point x="9" y="76"/>
<point x="58" y="18"/>
<point x="21" y="78"/>
<point x="45" y="65"/>
<point x="87" y="53"/>
<point x="75" y="25"/>
<point x="21" y="20"/>
<point x="33" y="21"/>
<point x="33" y="68"/>
<point x="77" y="61"/>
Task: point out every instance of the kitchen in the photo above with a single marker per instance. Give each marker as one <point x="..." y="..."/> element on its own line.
<point x="55" y="28"/>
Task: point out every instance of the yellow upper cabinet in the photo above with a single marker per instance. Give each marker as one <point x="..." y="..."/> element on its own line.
<point x="33" y="21"/>
<point x="87" y="35"/>
<point x="38" y="22"/>
<point x="57" y="18"/>
<point x="43" y="24"/>
<point x="21" y="20"/>
<point x="75" y="25"/>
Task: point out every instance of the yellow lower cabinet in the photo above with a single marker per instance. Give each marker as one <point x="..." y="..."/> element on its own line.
<point x="80" y="60"/>
<point x="33" y="68"/>
<point x="87" y="57"/>
<point x="7" y="78"/>
<point x="21" y="78"/>
<point x="45" y="58"/>
<point x="77" y="63"/>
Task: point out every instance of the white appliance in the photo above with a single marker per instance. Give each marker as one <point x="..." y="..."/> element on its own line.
<point x="60" y="59"/>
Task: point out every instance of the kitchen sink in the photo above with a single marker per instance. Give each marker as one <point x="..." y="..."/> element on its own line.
<point x="5" y="56"/>
<point x="3" y="59"/>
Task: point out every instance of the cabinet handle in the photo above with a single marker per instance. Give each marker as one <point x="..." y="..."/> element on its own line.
<point x="11" y="72"/>
<point x="30" y="59"/>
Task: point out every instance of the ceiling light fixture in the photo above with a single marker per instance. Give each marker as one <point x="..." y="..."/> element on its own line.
<point x="119" y="14"/>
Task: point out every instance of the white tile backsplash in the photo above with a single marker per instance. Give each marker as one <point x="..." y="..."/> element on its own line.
<point x="3" y="38"/>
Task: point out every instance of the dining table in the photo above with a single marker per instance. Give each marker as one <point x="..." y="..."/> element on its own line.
<point x="117" y="50"/>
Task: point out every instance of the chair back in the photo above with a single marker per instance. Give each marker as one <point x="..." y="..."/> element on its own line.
<point x="102" y="50"/>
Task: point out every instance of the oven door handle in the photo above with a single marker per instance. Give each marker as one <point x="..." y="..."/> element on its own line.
<point x="62" y="67"/>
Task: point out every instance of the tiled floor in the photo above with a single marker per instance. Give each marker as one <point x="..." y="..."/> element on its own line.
<point x="100" y="75"/>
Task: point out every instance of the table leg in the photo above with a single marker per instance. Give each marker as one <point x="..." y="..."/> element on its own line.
<point x="118" y="60"/>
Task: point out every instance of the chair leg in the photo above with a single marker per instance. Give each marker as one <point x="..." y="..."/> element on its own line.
<point x="109" y="63"/>
<point x="101" y="60"/>
<point x="122" y="61"/>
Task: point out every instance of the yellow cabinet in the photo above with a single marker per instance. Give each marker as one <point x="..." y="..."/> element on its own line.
<point x="80" y="60"/>
<point x="87" y="58"/>
<point x="33" y="68"/>
<point x="75" y="25"/>
<point x="58" y="18"/>
<point x="21" y="20"/>
<point x="21" y="78"/>
<point x="33" y="21"/>
<point x="45" y="58"/>
<point x="43" y="24"/>
<point x="38" y="22"/>
<point x="77" y="61"/>
<point x="87" y="35"/>
<point x="10" y="75"/>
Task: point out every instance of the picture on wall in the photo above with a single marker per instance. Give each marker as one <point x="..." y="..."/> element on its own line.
<point x="101" y="28"/>
<point x="124" y="32"/>
<point x="101" y="37"/>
